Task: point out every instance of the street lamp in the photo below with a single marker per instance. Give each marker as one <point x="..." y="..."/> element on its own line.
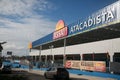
<point x="51" y="47"/>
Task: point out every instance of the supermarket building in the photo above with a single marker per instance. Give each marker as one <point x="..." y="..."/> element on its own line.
<point x="96" y="38"/>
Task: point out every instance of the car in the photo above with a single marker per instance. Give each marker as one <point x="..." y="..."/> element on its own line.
<point x="16" y="65"/>
<point x="6" y="69"/>
<point x="57" y="73"/>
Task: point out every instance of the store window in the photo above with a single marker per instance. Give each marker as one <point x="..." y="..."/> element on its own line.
<point x="116" y="57"/>
<point x="73" y="57"/>
<point x="97" y="57"/>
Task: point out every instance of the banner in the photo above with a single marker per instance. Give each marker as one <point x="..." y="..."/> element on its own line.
<point x="100" y="66"/>
<point x="86" y="65"/>
<point x="68" y="64"/>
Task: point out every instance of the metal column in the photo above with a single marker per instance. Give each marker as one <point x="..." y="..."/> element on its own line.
<point x="51" y="47"/>
<point x="46" y="59"/>
<point x="40" y="53"/>
<point x="64" y="55"/>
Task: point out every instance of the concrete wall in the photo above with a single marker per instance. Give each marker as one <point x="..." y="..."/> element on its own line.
<point x="111" y="46"/>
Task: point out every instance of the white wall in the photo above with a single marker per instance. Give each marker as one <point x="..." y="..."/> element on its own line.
<point x="111" y="46"/>
<point x="93" y="47"/>
<point x="55" y="51"/>
<point x="116" y="45"/>
<point x="34" y="52"/>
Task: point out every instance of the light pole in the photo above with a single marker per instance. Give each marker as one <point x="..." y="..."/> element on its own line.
<point x="64" y="55"/>
<point x="51" y="47"/>
<point x="40" y="53"/>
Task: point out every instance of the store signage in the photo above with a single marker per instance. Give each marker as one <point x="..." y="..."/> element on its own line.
<point x="61" y="30"/>
<point x="60" y="33"/>
<point x="30" y="45"/>
<point x="68" y="64"/>
<point x="87" y="65"/>
<point x="99" y="66"/>
<point x="99" y="19"/>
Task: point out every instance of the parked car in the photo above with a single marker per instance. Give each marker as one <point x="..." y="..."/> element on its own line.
<point x="16" y="65"/>
<point x="6" y="69"/>
<point x="57" y="73"/>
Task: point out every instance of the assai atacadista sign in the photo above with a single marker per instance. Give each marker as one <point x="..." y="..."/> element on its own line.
<point x="61" y="30"/>
<point x="105" y="16"/>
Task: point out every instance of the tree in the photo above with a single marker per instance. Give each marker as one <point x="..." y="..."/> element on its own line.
<point x="1" y="48"/>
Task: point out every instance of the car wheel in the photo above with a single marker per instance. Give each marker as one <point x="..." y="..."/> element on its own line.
<point x="55" y="77"/>
<point x="45" y="76"/>
<point x="67" y="78"/>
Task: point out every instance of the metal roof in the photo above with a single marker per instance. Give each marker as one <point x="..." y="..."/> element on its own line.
<point x="107" y="28"/>
<point x="109" y="32"/>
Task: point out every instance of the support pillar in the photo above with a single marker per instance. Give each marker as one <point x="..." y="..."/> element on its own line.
<point x="35" y="58"/>
<point x="81" y="56"/>
<point x="111" y="57"/>
<point x="40" y="53"/>
<point x="45" y="59"/>
<point x="64" y="55"/>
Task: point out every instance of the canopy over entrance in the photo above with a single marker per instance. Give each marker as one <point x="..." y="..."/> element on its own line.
<point x="102" y="25"/>
<point x="109" y="32"/>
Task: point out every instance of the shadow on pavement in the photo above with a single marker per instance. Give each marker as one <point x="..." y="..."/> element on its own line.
<point x="25" y="75"/>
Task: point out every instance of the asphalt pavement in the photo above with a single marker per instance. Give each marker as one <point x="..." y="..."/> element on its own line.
<point x="38" y="75"/>
<point x="74" y="76"/>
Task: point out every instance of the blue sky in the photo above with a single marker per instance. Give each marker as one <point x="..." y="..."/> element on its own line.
<point x="72" y="10"/>
<point x="23" y="21"/>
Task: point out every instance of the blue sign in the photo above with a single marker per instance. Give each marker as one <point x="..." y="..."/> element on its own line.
<point x="97" y="20"/>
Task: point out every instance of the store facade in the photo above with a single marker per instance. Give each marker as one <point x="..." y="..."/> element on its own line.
<point x="96" y="38"/>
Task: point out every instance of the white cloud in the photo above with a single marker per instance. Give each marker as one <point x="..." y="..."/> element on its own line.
<point x="14" y="7"/>
<point x="13" y="46"/>
<point x="19" y="32"/>
<point x="22" y="7"/>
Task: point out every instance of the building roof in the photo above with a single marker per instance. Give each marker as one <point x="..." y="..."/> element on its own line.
<point x="104" y="24"/>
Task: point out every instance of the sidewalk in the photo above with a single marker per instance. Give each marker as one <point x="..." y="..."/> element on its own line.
<point x="74" y="76"/>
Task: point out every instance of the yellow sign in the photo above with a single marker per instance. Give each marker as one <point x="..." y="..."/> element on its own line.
<point x="60" y="25"/>
<point x="30" y="45"/>
<point x="61" y="30"/>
